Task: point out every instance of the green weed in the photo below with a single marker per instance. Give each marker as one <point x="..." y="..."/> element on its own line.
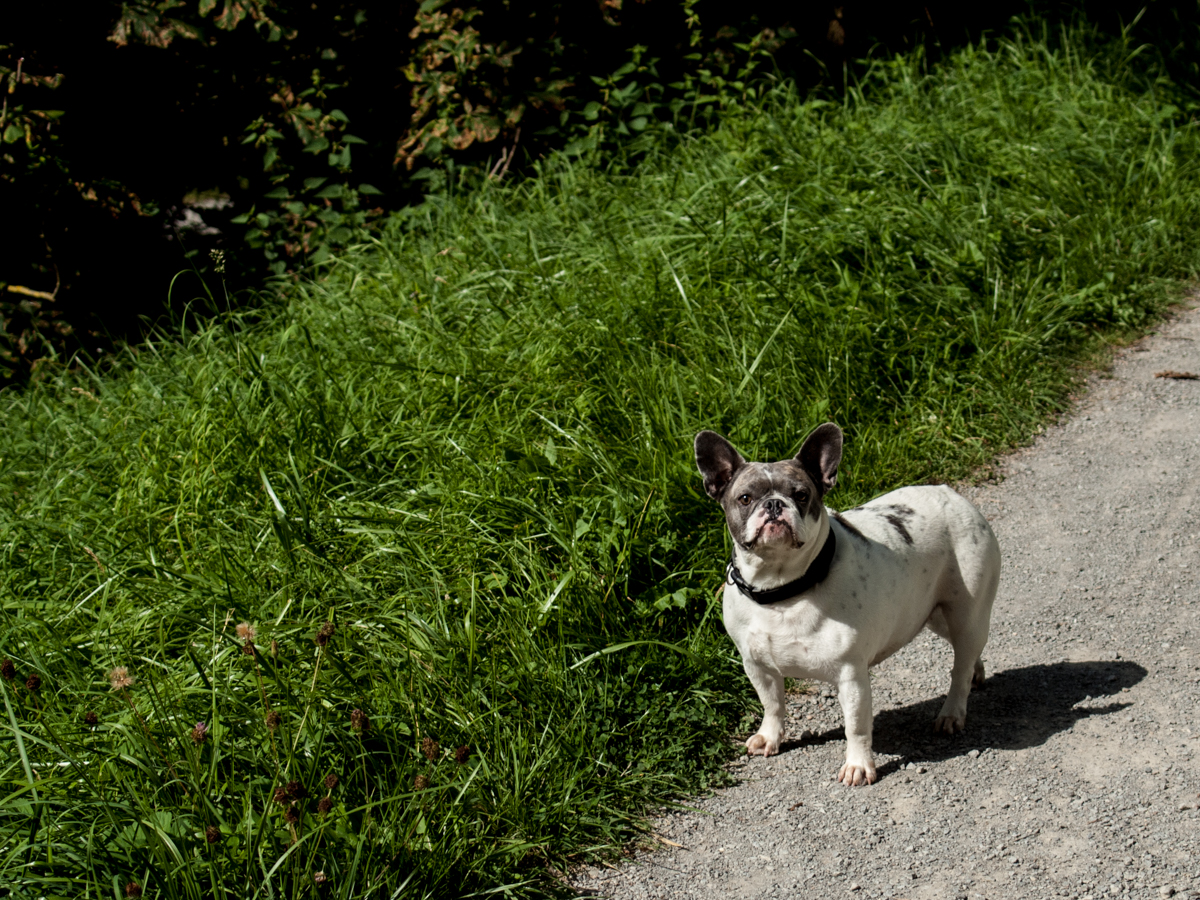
<point x="410" y="575"/>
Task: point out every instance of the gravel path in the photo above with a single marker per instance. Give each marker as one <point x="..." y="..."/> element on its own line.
<point x="1076" y="774"/>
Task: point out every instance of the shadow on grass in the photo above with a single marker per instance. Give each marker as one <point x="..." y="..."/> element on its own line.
<point x="1014" y="709"/>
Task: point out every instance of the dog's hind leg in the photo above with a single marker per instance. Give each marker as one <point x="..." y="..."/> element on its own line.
<point x="978" y="677"/>
<point x="967" y="662"/>
<point x="963" y="618"/>
<point x="967" y="649"/>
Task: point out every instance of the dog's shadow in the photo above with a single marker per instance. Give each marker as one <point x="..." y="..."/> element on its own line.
<point x="1012" y="710"/>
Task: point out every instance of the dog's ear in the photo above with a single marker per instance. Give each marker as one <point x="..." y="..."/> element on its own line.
<point x="717" y="461"/>
<point x="821" y="455"/>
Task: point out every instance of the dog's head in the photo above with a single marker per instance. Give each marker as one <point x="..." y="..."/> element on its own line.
<point x="775" y="506"/>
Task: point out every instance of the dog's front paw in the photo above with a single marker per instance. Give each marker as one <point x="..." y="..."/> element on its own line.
<point x="761" y="745"/>
<point x="949" y="724"/>
<point x="853" y="774"/>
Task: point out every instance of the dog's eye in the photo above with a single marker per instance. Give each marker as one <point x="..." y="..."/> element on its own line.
<point x="802" y="496"/>
<point x="744" y="499"/>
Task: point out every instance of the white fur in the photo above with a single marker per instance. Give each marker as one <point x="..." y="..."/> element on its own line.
<point x="880" y="591"/>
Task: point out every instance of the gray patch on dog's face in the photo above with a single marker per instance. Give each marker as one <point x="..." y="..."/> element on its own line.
<point x="780" y="491"/>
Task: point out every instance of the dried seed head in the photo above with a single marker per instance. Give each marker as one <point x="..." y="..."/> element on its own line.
<point x="90" y="718"/>
<point x="319" y="878"/>
<point x="248" y="648"/>
<point x="8" y="670"/>
<point x="212" y="834"/>
<point x="359" y="721"/>
<point x="33" y="682"/>
<point x="324" y="805"/>
<point x="245" y="631"/>
<point x="324" y="633"/>
<point x="420" y="782"/>
<point x="430" y="748"/>
<point x="291" y="815"/>
<point x="274" y="720"/>
<point x="296" y="790"/>
<point x="274" y="649"/>
<point x="462" y="754"/>
<point x="331" y="781"/>
<point x="120" y="679"/>
<point x="200" y="733"/>
<point x="133" y="889"/>
<point x="281" y="796"/>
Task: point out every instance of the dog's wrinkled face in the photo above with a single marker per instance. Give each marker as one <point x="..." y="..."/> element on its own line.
<point x="769" y="503"/>
<point x="776" y="505"/>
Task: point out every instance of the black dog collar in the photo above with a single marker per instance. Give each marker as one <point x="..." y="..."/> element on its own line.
<point x="813" y="576"/>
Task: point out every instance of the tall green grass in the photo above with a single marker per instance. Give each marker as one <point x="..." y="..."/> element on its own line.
<point x="469" y="448"/>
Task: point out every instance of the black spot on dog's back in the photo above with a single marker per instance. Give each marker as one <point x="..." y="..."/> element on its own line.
<point x="898" y="517"/>
<point x="898" y="523"/>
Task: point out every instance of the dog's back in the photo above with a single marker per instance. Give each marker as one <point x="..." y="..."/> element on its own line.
<point x="948" y="553"/>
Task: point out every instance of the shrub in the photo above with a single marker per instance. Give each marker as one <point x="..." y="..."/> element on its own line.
<point x="278" y="132"/>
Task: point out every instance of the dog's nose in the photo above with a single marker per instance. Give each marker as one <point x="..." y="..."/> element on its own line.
<point x="774" y="507"/>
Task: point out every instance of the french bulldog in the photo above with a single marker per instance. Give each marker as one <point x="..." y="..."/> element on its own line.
<point x="814" y="594"/>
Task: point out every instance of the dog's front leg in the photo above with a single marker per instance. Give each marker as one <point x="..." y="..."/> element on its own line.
<point x="854" y="693"/>
<point x="769" y="686"/>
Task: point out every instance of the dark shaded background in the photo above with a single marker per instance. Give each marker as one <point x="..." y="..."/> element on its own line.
<point x="97" y="221"/>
